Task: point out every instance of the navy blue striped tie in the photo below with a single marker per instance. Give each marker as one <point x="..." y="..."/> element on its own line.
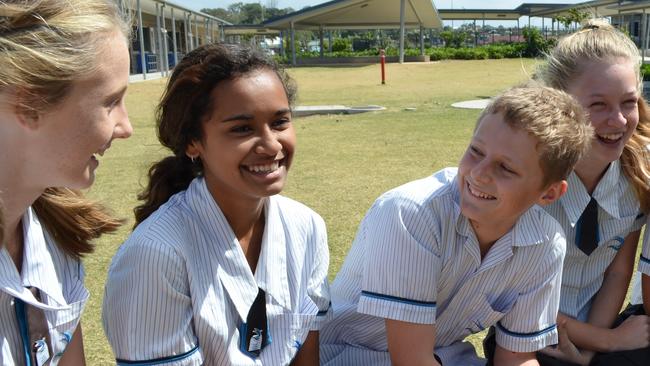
<point x="588" y="228"/>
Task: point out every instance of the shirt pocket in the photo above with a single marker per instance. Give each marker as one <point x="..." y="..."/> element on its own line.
<point x="486" y="314"/>
<point x="294" y="328"/>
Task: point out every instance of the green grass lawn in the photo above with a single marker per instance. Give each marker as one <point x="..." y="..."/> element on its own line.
<point x="342" y="163"/>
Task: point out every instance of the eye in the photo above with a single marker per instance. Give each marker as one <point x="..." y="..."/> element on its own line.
<point x="281" y="123"/>
<point x="631" y="103"/>
<point x="507" y="169"/>
<point x="597" y="105"/>
<point x="241" y="129"/>
<point x="475" y="150"/>
<point x="113" y="103"/>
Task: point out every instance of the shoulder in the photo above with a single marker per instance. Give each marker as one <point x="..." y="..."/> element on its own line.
<point x="422" y="197"/>
<point x="548" y="231"/>
<point x="297" y="213"/>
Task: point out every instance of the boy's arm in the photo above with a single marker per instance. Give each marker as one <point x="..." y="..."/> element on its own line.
<point x="503" y="357"/>
<point x="411" y="343"/>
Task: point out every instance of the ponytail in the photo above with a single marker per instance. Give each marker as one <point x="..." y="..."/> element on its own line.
<point x="166" y="178"/>
<point x="73" y="221"/>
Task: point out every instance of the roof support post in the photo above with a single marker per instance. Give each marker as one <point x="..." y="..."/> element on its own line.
<point x="421" y="40"/>
<point x="322" y="42"/>
<point x="160" y="63"/>
<point x="175" y="48"/>
<point x="644" y="35"/>
<point x="293" y="45"/>
<point x="401" y="30"/>
<point x="196" y="26"/>
<point x="163" y="37"/>
<point x="143" y="59"/>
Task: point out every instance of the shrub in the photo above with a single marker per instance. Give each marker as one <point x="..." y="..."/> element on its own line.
<point x="341" y="44"/>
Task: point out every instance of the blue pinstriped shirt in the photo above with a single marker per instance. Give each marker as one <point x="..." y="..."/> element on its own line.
<point x="618" y="215"/>
<point x="180" y="285"/>
<point x="59" y="278"/>
<point x="416" y="259"/>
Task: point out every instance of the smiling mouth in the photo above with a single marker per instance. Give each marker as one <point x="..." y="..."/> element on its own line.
<point x="265" y="168"/>
<point x="610" y="138"/>
<point x="478" y="194"/>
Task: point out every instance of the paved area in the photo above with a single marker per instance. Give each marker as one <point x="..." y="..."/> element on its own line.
<point x="472" y="104"/>
<point x="301" y="111"/>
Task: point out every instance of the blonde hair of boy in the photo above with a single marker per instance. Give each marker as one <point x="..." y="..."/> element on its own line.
<point x="598" y="40"/>
<point x="45" y="46"/>
<point x="554" y="118"/>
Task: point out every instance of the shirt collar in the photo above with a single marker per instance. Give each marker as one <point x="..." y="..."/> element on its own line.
<point x="38" y="267"/>
<point x="607" y="193"/>
<point x="233" y="270"/>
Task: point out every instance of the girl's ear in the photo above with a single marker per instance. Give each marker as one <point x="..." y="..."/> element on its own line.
<point x="193" y="149"/>
<point x="28" y="117"/>
<point x="553" y="193"/>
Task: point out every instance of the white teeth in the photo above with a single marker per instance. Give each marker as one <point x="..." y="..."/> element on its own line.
<point x="264" y="168"/>
<point x="480" y="194"/>
<point x="611" y="136"/>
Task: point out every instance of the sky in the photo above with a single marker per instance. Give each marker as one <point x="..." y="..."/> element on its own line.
<point x="440" y="4"/>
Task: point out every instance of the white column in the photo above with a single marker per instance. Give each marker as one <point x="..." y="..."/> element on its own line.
<point x="143" y="59"/>
<point x="401" y="31"/>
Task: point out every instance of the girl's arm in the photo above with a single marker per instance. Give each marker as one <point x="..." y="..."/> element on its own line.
<point x="309" y="352"/>
<point x="74" y="352"/>
<point x="595" y="334"/>
<point x="645" y="286"/>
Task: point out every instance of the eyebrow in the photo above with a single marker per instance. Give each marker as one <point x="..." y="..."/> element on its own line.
<point x="248" y="117"/>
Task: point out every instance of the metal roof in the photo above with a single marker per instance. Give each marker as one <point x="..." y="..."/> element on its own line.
<point x="360" y="14"/>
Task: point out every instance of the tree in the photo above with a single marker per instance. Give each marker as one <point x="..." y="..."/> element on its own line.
<point x="574" y="16"/>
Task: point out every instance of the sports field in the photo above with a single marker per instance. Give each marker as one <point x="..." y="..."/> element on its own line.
<point x="343" y="162"/>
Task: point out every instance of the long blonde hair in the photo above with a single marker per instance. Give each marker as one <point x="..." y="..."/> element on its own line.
<point x="598" y="40"/>
<point x="45" y="46"/>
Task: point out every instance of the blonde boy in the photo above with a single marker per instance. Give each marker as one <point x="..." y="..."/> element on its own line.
<point x="440" y="258"/>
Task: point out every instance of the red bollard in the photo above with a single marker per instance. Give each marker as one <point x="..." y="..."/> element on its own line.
<point x="382" y="58"/>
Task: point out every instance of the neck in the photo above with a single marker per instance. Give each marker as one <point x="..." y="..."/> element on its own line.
<point x="487" y="234"/>
<point x="18" y="187"/>
<point x="246" y="219"/>
<point x="590" y="174"/>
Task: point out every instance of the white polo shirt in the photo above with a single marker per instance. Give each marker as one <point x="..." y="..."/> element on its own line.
<point x="416" y="259"/>
<point x="180" y="285"/>
<point x="59" y="278"/>
<point x="618" y="215"/>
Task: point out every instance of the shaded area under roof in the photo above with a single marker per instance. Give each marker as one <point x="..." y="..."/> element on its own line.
<point x="360" y="14"/>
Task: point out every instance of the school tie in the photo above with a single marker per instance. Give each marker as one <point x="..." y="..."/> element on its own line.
<point x="255" y="331"/>
<point x="37" y="345"/>
<point x="588" y="228"/>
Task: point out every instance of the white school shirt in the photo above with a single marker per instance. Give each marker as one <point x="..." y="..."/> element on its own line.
<point x="180" y="285"/>
<point x="59" y="278"/>
<point x="416" y="259"/>
<point x="643" y="268"/>
<point x="618" y="215"/>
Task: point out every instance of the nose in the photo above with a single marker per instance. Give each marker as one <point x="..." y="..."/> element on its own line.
<point x="617" y="118"/>
<point x="481" y="172"/>
<point x="123" y="128"/>
<point x="268" y="143"/>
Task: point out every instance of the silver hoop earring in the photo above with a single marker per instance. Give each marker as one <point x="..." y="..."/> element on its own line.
<point x="193" y="158"/>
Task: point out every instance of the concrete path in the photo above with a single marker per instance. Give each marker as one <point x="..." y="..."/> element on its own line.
<point x="472" y="104"/>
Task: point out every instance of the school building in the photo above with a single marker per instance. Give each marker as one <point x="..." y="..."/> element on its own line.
<point x="164" y="30"/>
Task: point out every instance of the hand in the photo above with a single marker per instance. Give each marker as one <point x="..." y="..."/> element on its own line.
<point x="566" y="350"/>
<point x="633" y="333"/>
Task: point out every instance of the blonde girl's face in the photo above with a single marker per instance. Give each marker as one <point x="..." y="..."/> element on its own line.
<point x="608" y="90"/>
<point x="72" y="136"/>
